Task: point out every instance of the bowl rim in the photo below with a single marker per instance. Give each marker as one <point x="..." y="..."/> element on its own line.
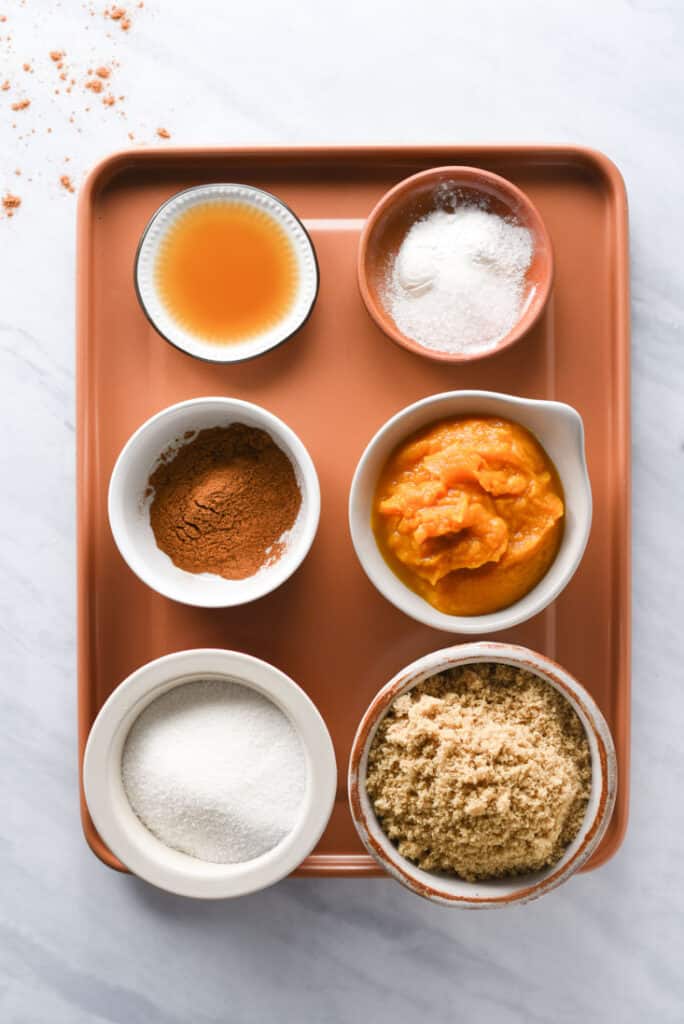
<point x="134" y="845"/>
<point x="469" y="176"/>
<point x="381" y="848"/>
<point x="394" y="590"/>
<point x="277" y="429"/>
<point x="227" y="358"/>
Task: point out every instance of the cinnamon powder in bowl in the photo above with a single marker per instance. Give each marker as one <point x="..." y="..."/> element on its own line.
<point x="214" y="502"/>
<point x="223" y="502"/>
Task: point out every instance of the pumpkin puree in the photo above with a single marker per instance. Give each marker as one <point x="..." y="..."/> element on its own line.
<point x="468" y="512"/>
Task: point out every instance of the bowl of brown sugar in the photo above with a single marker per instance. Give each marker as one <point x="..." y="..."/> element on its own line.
<point x="214" y="502"/>
<point x="482" y="775"/>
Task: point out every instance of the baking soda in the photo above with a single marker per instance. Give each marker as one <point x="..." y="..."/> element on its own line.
<point x="214" y="769"/>
<point x="458" y="281"/>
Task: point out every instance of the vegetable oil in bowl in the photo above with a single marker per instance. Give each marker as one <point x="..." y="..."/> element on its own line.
<point x="226" y="271"/>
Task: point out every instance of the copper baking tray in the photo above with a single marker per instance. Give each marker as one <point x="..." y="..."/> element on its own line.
<point x="335" y="383"/>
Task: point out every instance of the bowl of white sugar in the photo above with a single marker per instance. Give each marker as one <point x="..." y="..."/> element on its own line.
<point x="210" y="773"/>
<point x="455" y="264"/>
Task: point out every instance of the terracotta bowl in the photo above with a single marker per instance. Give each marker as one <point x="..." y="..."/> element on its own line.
<point x="412" y="199"/>
<point x="449" y="889"/>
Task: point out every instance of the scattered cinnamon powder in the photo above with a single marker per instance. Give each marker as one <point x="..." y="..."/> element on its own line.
<point x="224" y="501"/>
<point x="66" y="183"/>
<point x="10" y="203"/>
<point x="482" y="771"/>
<point x="97" y="79"/>
<point x="119" y="14"/>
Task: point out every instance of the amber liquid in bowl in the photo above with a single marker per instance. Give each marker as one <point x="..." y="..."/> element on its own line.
<point x="226" y="271"/>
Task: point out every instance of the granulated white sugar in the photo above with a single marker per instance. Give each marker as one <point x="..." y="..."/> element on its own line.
<point x="458" y="282"/>
<point x="214" y="769"/>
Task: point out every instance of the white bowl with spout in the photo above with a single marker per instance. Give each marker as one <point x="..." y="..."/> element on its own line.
<point x="558" y="428"/>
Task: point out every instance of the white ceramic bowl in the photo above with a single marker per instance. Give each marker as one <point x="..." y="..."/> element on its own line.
<point x="135" y="846"/>
<point x="450" y="890"/>
<point x="129" y="508"/>
<point x="158" y="314"/>
<point x="558" y="428"/>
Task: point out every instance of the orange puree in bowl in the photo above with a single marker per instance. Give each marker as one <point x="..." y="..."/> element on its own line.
<point x="468" y="512"/>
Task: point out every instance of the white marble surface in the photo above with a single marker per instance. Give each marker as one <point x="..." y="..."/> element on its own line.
<point x="79" y="943"/>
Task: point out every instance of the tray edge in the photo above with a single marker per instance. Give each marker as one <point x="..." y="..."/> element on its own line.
<point x="105" y="170"/>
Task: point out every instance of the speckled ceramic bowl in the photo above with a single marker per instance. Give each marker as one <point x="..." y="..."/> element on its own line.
<point x="449" y="889"/>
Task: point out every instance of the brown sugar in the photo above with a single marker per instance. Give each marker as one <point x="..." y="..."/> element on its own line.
<point x="102" y="72"/>
<point x="94" y="84"/>
<point x="56" y="55"/>
<point x="224" y="501"/>
<point x="482" y="771"/>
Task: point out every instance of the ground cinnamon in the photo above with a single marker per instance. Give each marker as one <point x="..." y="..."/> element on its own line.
<point x="223" y="501"/>
<point x="10" y="203"/>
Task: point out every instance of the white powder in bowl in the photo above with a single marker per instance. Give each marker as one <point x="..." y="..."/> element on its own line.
<point x="458" y="281"/>
<point x="214" y="769"/>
